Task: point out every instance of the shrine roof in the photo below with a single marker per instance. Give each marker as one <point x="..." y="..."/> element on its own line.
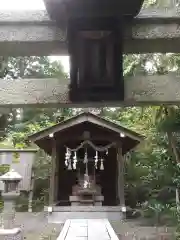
<point x="73" y="128"/>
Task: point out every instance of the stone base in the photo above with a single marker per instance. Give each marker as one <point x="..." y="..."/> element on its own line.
<point x="78" y="201"/>
<point x="11" y="234"/>
<point x="61" y="214"/>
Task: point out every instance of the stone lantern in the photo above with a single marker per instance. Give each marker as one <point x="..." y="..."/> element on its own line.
<point x="11" y="180"/>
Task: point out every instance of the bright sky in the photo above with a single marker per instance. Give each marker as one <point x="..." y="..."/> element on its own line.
<point x="15" y="5"/>
<point x="21" y="5"/>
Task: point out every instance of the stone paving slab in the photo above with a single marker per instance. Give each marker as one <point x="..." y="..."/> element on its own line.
<point x="87" y="229"/>
<point x="76" y="238"/>
<point x="78" y="231"/>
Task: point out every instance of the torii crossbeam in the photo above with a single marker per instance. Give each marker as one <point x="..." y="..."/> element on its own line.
<point x="32" y="33"/>
<point x="139" y="91"/>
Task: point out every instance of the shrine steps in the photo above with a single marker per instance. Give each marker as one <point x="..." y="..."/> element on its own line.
<point x="60" y="214"/>
<point x="87" y="229"/>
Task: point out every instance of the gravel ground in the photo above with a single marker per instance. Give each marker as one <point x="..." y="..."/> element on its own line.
<point x="134" y="230"/>
<point x="36" y="227"/>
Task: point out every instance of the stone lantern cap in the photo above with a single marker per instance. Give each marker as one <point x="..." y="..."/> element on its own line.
<point x="12" y="175"/>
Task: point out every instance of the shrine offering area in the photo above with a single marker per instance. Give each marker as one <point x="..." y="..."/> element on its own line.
<point x="87" y="166"/>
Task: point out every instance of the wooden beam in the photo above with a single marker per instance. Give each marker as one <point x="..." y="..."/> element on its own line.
<point x="149" y="90"/>
<point x="94" y="138"/>
<point x="33" y="33"/>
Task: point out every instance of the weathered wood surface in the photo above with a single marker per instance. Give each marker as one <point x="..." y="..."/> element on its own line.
<point x="33" y="33"/>
<point x="54" y="92"/>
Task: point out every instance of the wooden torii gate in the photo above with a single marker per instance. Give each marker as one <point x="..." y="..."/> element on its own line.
<point x="155" y="29"/>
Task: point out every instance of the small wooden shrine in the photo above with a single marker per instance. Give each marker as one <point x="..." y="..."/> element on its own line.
<point x="87" y="161"/>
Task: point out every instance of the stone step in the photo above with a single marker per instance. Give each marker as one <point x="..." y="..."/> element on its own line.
<point x="86" y="201"/>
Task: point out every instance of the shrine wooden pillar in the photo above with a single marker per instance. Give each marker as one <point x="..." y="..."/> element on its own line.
<point x="52" y="173"/>
<point x="56" y="184"/>
<point x="120" y="177"/>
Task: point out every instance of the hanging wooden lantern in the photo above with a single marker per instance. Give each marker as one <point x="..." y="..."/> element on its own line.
<point x="95" y="45"/>
<point x="61" y="10"/>
<point x="95" y="49"/>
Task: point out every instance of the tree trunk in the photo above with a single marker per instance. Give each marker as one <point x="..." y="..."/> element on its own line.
<point x="177" y="198"/>
<point x="172" y="145"/>
<point x="171" y="137"/>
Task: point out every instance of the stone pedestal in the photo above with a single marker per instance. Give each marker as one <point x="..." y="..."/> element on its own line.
<point x="8" y="214"/>
<point x="77" y="201"/>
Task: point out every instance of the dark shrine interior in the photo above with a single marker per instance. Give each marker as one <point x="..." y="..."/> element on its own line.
<point x="105" y="178"/>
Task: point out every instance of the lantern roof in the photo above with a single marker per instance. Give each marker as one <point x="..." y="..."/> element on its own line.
<point x="12" y="175"/>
